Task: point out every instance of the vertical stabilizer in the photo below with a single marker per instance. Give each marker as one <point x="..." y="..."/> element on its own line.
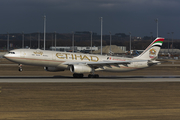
<point x="151" y="52"/>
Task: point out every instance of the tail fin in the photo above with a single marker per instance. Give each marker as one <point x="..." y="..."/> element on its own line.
<point x="151" y="52"/>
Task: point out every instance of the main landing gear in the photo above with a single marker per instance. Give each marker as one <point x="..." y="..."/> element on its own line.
<point x="20" y="68"/>
<point x="93" y="76"/>
<point x="75" y="75"/>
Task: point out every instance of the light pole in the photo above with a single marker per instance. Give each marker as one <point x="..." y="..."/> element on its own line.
<point x="22" y="39"/>
<point x="52" y="40"/>
<point x="91" y="41"/>
<point x="151" y="35"/>
<point x="110" y="43"/>
<point x="130" y="42"/>
<point x="172" y="41"/>
<point x="168" y="41"/>
<point x="55" y="40"/>
<point x="30" y="41"/>
<point x="101" y="32"/>
<point x="72" y="41"/>
<point x="38" y="40"/>
<point x="157" y="25"/>
<point x="44" y="32"/>
<point x="7" y="41"/>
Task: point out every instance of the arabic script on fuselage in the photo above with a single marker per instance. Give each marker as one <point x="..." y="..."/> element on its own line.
<point x="38" y="53"/>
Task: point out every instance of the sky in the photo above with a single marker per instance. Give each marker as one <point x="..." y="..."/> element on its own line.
<point x="65" y="16"/>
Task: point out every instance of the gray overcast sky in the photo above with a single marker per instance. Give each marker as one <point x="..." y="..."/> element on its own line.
<point x="65" y="16"/>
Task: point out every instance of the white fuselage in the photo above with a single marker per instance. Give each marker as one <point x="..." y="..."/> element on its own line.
<point x="56" y="58"/>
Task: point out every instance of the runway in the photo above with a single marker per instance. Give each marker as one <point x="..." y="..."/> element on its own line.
<point x="59" y="79"/>
<point x="63" y="97"/>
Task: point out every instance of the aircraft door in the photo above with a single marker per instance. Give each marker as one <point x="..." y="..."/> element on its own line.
<point x="54" y="56"/>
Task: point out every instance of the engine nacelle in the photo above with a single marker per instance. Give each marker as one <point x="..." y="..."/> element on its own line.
<point x="53" y="69"/>
<point x="80" y="69"/>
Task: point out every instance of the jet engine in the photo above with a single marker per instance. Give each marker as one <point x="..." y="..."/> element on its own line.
<point x="53" y="69"/>
<point x="80" y="69"/>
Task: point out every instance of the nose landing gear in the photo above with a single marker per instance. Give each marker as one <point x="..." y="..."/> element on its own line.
<point x="20" y="68"/>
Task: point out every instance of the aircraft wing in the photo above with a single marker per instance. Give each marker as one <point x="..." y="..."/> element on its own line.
<point x="103" y="63"/>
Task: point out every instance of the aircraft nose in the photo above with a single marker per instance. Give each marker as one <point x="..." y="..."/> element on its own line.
<point x="6" y="55"/>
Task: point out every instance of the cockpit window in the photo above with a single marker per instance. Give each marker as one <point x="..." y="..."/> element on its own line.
<point x="11" y="52"/>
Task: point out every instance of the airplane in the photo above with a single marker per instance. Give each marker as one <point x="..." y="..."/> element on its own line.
<point x="79" y="63"/>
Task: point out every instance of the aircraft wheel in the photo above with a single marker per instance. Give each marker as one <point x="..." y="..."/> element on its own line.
<point x="90" y="76"/>
<point x="81" y="75"/>
<point x="78" y="75"/>
<point x="96" y="76"/>
<point x="93" y="76"/>
<point x="20" y="70"/>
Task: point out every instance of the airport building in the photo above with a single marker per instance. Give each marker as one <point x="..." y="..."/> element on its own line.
<point x="69" y="48"/>
<point x="95" y="50"/>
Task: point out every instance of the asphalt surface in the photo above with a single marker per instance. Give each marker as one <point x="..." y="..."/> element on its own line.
<point x="90" y="101"/>
<point x="89" y="80"/>
<point x="151" y="93"/>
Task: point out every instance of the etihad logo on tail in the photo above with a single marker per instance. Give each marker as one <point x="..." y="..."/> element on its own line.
<point x="152" y="53"/>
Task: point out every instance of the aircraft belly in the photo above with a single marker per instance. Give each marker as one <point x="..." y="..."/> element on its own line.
<point x="38" y="62"/>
